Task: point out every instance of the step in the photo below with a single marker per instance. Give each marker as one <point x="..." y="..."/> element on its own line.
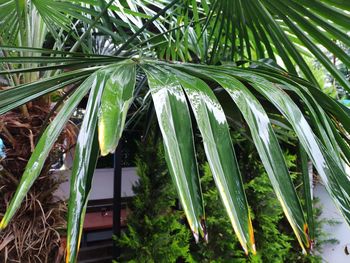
<point x="95" y="252"/>
<point x="97" y="260"/>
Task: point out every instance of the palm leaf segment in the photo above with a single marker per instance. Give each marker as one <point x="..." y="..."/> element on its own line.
<point x="288" y="32"/>
<point x="210" y="31"/>
<point x="177" y="89"/>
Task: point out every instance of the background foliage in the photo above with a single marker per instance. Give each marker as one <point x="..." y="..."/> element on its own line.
<point x="157" y="231"/>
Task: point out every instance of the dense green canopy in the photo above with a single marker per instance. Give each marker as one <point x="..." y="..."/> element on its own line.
<point x="255" y="52"/>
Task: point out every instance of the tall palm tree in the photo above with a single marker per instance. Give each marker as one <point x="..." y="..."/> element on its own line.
<point x="249" y="67"/>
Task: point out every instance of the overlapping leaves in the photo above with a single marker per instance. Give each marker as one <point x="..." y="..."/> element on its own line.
<point x="207" y="31"/>
<point x="175" y="89"/>
<point x="246" y="30"/>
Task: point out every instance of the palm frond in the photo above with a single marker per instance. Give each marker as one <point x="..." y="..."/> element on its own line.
<point x="320" y="124"/>
<point x="252" y="30"/>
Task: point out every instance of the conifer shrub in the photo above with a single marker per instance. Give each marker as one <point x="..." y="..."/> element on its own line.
<point x="157" y="231"/>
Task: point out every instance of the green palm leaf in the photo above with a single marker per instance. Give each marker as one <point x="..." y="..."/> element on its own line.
<point x="175" y="124"/>
<point x="167" y="84"/>
<point x="331" y="172"/>
<point x="221" y="157"/>
<point x="253" y="30"/>
<point x="16" y="96"/>
<point x="42" y="150"/>
<point x="85" y="158"/>
<point x="115" y="102"/>
<point x="269" y="152"/>
<point x="203" y="31"/>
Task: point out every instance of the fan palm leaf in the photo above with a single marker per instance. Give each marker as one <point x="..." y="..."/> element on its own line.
<point x="168" y="84"/>
<point x="211" y="32"/>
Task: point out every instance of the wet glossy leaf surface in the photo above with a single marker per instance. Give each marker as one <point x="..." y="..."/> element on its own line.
<point x="115" y="102"/>
<point x="217" y="142"/>
<point x="336" y="181"/>
<point x="85" y="157"/>
<point x="320" y="123"/>
<point x="176" y="128"/>
<point x="269" y="151"/>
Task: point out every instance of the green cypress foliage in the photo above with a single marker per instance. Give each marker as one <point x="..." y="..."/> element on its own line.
<point x="156" y="230"/>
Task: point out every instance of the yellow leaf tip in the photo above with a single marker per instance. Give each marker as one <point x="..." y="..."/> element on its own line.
<point x="253" y="249"/>
<point x="67" y="254"/>
<point x="308" y="240"/>
<point x="104" y="152"/>
<point x="251" y="236"/>
<point x="2" y="224"/>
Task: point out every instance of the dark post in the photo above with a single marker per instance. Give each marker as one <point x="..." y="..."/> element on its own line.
<point x="117" y="188"/>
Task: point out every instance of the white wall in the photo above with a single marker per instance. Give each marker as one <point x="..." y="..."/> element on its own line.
<point x="333" y="253"/>
<point x="102" y="186"/>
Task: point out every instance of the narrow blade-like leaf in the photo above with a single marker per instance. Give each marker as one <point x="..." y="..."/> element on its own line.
<point x="84" y="158"/>
<point x="219" y="150"/>
<point x="307" y="191"/>
<point x="175" y="124"/>
<point x="336" y="181"/>
<point x="269" y="151"/>
<point x="16" y="96"/>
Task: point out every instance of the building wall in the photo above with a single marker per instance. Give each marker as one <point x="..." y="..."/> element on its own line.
<point x="333" y="253"/>
<point x="102" y="186"/>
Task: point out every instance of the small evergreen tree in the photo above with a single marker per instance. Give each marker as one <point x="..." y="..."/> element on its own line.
<point x="155" y="230"/>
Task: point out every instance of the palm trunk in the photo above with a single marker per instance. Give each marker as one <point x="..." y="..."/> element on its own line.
<point x="34" y="233"/>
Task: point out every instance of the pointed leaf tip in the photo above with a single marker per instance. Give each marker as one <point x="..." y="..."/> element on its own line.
<point x="3" y="224"/>
<point x="115" y="102"/>
<point x="204" y="227"/>
<point x="175" y="124"/>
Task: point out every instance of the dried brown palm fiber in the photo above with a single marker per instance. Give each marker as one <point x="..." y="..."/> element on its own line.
<point x="34" y="233"/>
<point x="36" y="227"/>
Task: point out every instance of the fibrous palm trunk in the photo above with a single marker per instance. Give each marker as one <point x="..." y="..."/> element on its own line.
<point x="34" y="234"/>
